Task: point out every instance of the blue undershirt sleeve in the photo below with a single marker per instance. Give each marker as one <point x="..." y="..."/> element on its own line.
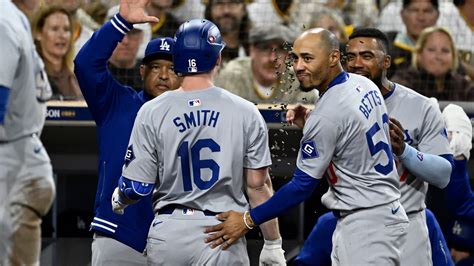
<point x="4" y="94"/>
<point x="291" y="194"/>
<point x="458" y="194"/>
<point x="434" y="169"/>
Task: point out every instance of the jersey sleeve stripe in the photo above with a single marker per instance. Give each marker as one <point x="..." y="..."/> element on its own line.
<point x="120" y="24"/>
<point x="103" y="227"/>
<point x="105" y="222"/>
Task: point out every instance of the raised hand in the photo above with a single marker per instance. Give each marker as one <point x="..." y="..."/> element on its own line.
<point x="396" y="136"/>
<point x="297" y="115"/>
<point x="133" y="11"/>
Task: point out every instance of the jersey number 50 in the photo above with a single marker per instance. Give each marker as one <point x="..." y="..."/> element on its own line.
<point x="380" y="146"/>
<point x="197" y="164"/>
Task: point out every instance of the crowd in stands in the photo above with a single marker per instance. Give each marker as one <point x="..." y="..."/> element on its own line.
<point x="432" y="42"/>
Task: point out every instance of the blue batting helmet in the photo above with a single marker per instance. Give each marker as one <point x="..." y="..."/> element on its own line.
<point x="198" y="44"/>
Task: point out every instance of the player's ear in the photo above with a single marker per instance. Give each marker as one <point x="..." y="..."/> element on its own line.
<point x="142" y="72"/>
<point x="387" y="61"/>
<point x="334" y="57"/>
<point x="219" y="60"/>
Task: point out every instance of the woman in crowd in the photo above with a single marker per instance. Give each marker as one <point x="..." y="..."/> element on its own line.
<point x="52" y="32"/>
<point x="434" y="68"/>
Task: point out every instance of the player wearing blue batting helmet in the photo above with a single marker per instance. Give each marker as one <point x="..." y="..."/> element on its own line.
<point x="198" y="45"/>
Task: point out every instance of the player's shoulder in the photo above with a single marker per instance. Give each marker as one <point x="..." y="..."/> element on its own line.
<point x="410" y="96"/>
<point x="11" y="17"/>
<point x="236" y="101"/>
<point x="353" y="85"/>
<point x="10" y="10"/>
<point x="162" y="101"/>
<point x="362" y="82"/>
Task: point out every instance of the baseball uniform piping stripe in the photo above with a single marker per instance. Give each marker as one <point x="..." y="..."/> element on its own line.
<point x="117" y="27"/>
<point x="121" y="23"/>
<point x="103" y="227"/>
<point x="105" y="222"/>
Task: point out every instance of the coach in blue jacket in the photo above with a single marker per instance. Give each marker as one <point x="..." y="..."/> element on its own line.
<point x="119" y="239"/>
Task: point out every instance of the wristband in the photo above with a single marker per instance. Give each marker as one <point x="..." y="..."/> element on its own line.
<point x="245" y="220"/>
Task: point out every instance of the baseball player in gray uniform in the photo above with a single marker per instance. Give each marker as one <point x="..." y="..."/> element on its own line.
<point x="421" y="145"/>
<point x="201" y="146"/>
<point x="26" y="182"/>
<point x="347" y="135"/>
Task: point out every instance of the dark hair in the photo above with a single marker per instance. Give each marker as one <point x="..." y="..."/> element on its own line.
<point x="435" y="3"/>
<point x="244" y="25"/>
<point x="381" y="37"/>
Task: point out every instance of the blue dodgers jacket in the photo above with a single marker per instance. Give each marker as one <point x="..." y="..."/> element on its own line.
<point x="114" y="108"/>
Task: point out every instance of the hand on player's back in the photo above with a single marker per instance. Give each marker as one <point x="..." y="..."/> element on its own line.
<point x="227" y="232"/>
<point x="133" y="11"/>
<point x="396" y="136"/>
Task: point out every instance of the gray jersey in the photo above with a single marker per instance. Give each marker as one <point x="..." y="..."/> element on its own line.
<point x="19" y="70"/>
<point x="347" y="134"/>
<point x="424" y="129"/>
<point x="195" y="145"/>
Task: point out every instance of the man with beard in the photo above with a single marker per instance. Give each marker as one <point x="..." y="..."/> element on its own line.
<point x="346" y="134"/>
<point x="262" y="77"/>
<point x="424" y="137"/>
<point x="232" y="19"/>
<point x="120" y="239"/>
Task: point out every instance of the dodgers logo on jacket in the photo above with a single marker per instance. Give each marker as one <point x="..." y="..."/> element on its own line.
<point x="308" y="150"/>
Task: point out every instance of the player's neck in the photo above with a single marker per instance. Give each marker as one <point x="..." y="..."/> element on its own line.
<point x="197" y="82"/>
<point x="333" y="73"/>
<point x="385" y="86"/>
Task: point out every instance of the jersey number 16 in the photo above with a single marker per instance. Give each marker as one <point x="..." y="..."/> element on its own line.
<point x="197" y="163"/>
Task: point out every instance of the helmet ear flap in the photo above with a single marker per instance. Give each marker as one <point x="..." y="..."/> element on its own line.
<point x="198" y="45"/>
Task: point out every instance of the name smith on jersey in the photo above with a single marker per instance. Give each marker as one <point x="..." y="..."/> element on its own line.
<point x="196" y="118"/>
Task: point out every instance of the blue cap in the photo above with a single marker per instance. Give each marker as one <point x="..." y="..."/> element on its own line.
<point x="462" y="234"/>
<point x="159" y="48"/>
